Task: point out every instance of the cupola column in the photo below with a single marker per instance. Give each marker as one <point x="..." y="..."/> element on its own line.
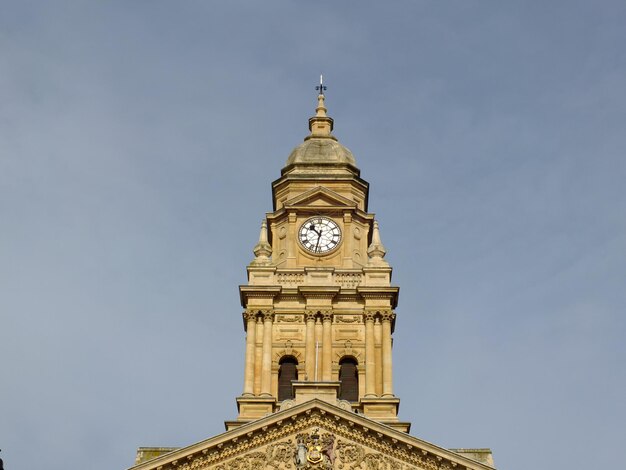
<point x="266" y="373"/>
<point x="327" y="347"/>
<point x="370" y="359"/>
<point x="387" y="317"/>
<point x="248" y="385"/>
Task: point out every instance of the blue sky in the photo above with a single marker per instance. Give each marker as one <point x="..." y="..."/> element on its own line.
<point x="138" y="141"/>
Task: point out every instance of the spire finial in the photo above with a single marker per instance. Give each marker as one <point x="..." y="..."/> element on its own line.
<point x="321" y="88"/>
<point x="321" y="125"/>
<point x="320" y="111"/>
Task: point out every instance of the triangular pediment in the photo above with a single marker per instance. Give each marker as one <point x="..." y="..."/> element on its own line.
<point x="312" y="435"/>
<point x="320" y="196"/>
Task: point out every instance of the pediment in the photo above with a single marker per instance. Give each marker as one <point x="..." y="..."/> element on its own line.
<point x="320" y="196"/>
<point x="310" y="436"/>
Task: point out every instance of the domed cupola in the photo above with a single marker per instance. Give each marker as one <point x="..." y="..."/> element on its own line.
<point x="321" y="147"/>
<point x="320" y="160"/>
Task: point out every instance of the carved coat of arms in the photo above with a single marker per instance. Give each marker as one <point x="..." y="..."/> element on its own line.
<point x="314" y="450"/>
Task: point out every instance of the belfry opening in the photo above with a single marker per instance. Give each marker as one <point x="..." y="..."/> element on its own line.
<point x="349" y="378"/>
<point x="287" y="373"/>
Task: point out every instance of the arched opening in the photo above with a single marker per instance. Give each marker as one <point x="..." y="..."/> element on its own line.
<point x="349" y="378"/>
<point x="287" y="371"/>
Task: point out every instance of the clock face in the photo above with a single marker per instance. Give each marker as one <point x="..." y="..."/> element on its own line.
<point x="319" y="235"/>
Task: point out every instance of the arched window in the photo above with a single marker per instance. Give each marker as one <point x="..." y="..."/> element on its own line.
<point x="349" y="378"/>
<point x="287" y="372"/>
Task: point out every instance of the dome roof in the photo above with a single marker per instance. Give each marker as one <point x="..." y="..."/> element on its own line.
<point x="321" y="147"/>
<point x="322" y="151"/>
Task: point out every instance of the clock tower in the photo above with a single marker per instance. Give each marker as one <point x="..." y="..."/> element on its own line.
<point x="319" y="303"/>
<point x="319" y="315"/>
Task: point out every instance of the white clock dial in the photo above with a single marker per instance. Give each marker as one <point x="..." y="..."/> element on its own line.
<point x="319" y="235"/>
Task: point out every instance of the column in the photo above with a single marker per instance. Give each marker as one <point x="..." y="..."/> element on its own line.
<point x="309" y="355"/>
<point x="387" y="317"/>
<point x="248" y="381"/>
<point x="370" y="360"/>
<point x="266" y="374"/>
<point x="327" y="347"/>
<point x="318" y="341"/>
<point x="258" y="356"/>
<point x="378" y="351"/>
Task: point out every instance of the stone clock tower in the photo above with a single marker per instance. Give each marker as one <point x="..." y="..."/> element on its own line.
<point x="319" y="318"/>
<point x="319" y="304"/>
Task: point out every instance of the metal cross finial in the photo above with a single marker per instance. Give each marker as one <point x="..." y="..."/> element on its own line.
<point x="321" y="88"/>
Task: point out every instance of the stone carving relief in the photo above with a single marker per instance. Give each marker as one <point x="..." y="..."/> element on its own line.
<point x="352" y="456"/>
<point x="314" y="450"/>
<point x="288" y="318"/>
<point x="196" y="463"/>
<point x="348" y="319"/>
<point x="278" y="456"/>
<point x="344" y="405"/>
<point x="286" y="404"/>
<point x="318" y="442"/>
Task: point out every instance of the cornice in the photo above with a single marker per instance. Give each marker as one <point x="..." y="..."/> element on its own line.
<point x="287" y="178"/>
<point x="380" y="293"/>
<point x="319" y="292"/>
<point x="376" y="292"/>
<point x="356" y="212"/>
<point x="260" y="291"/>
<point x="257" y="292"/>
<point x="303" y="199"/>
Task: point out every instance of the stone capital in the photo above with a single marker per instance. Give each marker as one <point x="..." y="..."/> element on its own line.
<point x="250" y="315"/>
<point x="387" y="315"/>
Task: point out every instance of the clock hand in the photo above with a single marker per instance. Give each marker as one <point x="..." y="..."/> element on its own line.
<point x="312" y="227"/>
<point x="319" y="237"/>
